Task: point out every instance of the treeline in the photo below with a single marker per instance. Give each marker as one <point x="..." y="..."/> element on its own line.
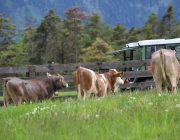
<point x="79" y="37"/>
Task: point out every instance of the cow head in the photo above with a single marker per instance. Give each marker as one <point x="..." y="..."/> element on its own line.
<point x="58" y="80"/>
<point x="116" y="78"/>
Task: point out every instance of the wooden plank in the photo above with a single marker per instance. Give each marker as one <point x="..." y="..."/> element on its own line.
<point x="138" y="85"/>
<point x="1" y="103"/>
<point x="128" y="74"/>
<point x="93" y="66"/>
<point x="125" y="64"/>
<point x="64" y="67"/>
<point x="22" y="69"/>
<point x="133" y="74"/>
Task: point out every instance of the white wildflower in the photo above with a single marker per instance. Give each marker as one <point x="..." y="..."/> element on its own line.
<point x="27" y="114"/>
<point x="166" y="110"/>
<point x="150" y="103"/>
<point x="97" y="116"/>
<point x="178" y="105"/>
<point x="55" y="113"/>
<point x="175" y="100"/>
<point x="159" y="94"/>
<point x="63" y="112"/>
<point x="34" y="112"/>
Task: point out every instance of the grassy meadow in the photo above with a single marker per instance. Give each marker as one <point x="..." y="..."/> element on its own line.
<point x="139" y="115"/>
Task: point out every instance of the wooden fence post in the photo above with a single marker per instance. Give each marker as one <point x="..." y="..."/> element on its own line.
<point x="32" y="71"/>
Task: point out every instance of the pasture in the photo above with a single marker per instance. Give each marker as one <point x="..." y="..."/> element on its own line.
<point x="138" y="115"/>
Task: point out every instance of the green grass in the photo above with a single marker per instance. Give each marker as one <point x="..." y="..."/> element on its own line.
<point x="128" y="116"/>
<point x="69" y="93"/>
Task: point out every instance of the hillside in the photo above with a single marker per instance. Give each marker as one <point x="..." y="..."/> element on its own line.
<point x="129" y="13"/>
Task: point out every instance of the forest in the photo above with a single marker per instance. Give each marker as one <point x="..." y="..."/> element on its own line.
<point x="79" y="37"/>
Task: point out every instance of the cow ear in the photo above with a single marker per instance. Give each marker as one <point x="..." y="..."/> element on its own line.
<point x="58" y="74"/>
<point x="48" y="75"/>
<point x="121" y="73"/>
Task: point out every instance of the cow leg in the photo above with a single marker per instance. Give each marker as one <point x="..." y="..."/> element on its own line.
<point x="6" y="101"/>
<point x="173" y="83"/>
<point x="86" y="95"/>
<point x="159" y="86"/>
<point x="79" y="92"/>
<point x="15" y="100"/>
<point x="6" y="98"/>
<point x="164" y="86"/>
<point x="15" y="96"/>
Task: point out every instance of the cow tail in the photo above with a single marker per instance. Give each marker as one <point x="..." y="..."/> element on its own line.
<point x="76" y="80"/>
<point x="4" y="86"/>
<point x="162" y="58"/>
<point x="78" y="85"/>
<point x="4" y="92"/>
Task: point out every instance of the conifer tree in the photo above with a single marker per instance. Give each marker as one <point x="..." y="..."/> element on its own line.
<point x="46" y="28"/>
<point x="97" y="52"/>
<point x="168" y="23"/>
<point x="7" y="31"/>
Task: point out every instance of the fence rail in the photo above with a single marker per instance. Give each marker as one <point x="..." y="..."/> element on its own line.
<point x="32" y="71"/>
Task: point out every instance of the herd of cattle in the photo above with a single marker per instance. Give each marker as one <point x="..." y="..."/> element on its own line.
<point x="165" y="69"/>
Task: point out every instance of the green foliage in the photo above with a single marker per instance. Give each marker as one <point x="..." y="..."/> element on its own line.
<point x="43" y="32"/>
<point x="94" y="28"/>
<point x="119" y="38"/>
<point x="150" y="28"/>
<point x="168" y="23"/>
<point x="74" y="18"/>
<point x="14" y="55"/>
<point x="138" y="115"/>
<point x="68" y="40"/>
<point x="28" y="42"/>
<point x="97" y="52"/>
<point x="7" y="31"/>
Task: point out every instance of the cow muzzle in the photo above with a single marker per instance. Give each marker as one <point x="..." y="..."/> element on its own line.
<point x="66" y="85"/>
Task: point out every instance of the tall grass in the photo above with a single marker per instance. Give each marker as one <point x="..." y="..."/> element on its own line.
<point x="128" y="116"/>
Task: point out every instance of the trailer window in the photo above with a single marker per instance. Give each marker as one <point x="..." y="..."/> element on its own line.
<point x="177" y="49"/>
<point x="160" y="47"/>
<point x="149" y="51"/>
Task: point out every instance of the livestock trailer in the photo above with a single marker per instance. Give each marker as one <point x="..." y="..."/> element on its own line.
<point x="142" y="50"/>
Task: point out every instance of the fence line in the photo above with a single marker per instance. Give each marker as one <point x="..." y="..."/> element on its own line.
<point x="32" y="71"/>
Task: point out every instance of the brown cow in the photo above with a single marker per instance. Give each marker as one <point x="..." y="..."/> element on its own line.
<point x="87" y="82"/>
<point x="19" y="90"/>
<point x="165" y="70"/>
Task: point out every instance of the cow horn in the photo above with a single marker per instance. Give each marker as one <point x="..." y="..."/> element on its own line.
<point x="48" y="74"/>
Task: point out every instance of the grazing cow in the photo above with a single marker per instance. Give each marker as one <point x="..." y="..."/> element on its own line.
<point x="165" y="69"/>
<point x="19" y="90"/>
<point x="87" y="82"/>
